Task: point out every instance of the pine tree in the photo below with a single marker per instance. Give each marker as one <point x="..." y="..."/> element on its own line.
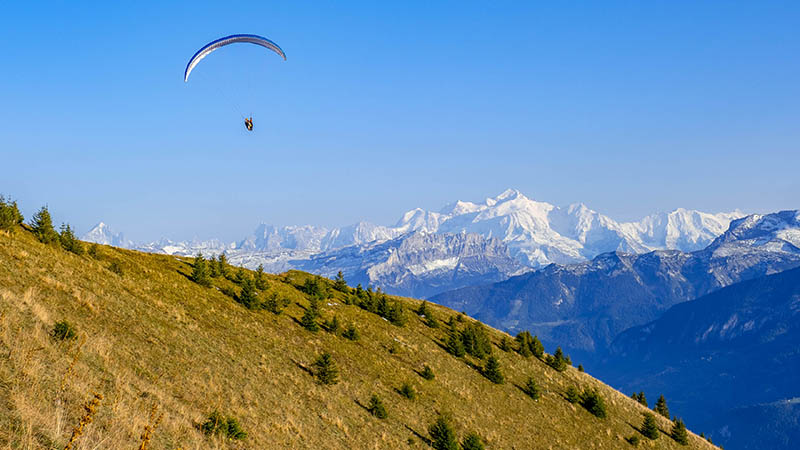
<point x="679" y="432"/>
<point x="350" y="333"/>
<point x="536" y="347"/>
<point x="407" y="391"/>
<point x="68" y="240"/>
<point x="325" y="369"/>
<point x="572" y="395"/>
<point x="642" y="399"/>
<point x="248" y="297"/>
<point x="395" y="313"/>
<point x="423" y="309"/>
<point x="309" y="321"/>
<point x="532" y="389"/>
<point x="649" y="426"/>
<point x="200" y="271"/>
<point x="213" y="267"/>
<point x="524" y="342"/>
<point x="661" y="407"/>
<point x="332" y="325"/>
<point x="593" y="402"/>
<point x="260" y="279"/>
<point x="222" y="265"/>
<point x="239" y="277"/>
<point x="476" y="341"/>
<point x="340" y="284"/>
<point x="472" y="442"/>
<point x="557" y="361"/>
<point x="492" y="371"/>
<point x="430" y="320"/>
<point x="10" y="216"/>
<point x="427" y="373"/>
<point x="376" y="407"/>
<point x="42" y="226"/>
<point x="455" y="346"/>
<point x="443" y="436"/>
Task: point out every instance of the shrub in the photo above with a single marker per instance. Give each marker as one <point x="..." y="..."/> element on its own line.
<point x="679" y="433"/>
<point x="580" y="368"/>
<point x="42" y="227"/>
<point x="217" y="424"/>
<point x="116" y="268"/>
<point x="532" y="389"/>
<point x="376" y="407"/>
<point x="443" y="436"/>
<point x="325" y="370"/>
<point x="633" y="440"/>
<point x="472" y="442"/>
<point x="407" y="391"/>
<point x="492" y="371"/>
<point x="572" y="395"/>
<point x="427" y="373"/>
<point x="350" y="333"/>
<point x="593" y="402"/>
<point x="94" y="251"/>
<point x="661" y="407"/>
<point x="649" y="426"/>
<point x="64" y="331"/>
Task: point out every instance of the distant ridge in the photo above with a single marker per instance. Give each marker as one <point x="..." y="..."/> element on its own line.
<point x="534" y="233"/>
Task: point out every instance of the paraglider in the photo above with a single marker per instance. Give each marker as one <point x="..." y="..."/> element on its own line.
<point x="227" y="40"/>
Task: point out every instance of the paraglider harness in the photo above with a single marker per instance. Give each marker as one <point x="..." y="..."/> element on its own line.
<point x="248" y="122"/>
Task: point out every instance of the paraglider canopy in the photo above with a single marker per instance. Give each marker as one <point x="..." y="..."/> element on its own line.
<point x="227" y="40"/>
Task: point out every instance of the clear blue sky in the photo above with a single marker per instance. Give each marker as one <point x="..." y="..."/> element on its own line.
<point x="630" y="107"/>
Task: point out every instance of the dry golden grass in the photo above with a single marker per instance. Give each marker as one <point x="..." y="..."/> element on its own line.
<point x="151" y="338"/>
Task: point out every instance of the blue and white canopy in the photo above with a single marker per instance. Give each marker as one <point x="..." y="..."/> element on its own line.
<point x="227" y="40"/>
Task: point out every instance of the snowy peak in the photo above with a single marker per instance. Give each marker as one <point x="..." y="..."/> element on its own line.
<point x="681" y="229"/>
<point x="778" y="232"/>
<point x="103" y="234"/>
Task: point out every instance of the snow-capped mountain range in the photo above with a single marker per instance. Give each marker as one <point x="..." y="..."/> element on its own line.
<point x="533" y="234"/>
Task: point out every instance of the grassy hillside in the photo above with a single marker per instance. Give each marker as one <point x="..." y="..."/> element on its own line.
<point x="164" y="352"/>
